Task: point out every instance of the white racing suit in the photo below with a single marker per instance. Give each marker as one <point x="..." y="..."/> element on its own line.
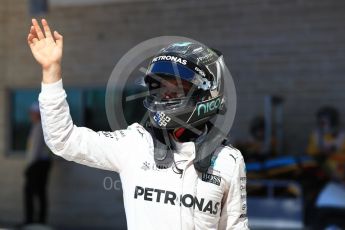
<point x="153" y="198"/>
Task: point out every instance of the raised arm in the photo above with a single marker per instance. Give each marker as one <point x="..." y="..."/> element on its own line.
<point x="105" y="150"/>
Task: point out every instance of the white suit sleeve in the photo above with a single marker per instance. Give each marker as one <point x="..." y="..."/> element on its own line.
<point x="234" y="207"/>
<point x="104" y="150"/>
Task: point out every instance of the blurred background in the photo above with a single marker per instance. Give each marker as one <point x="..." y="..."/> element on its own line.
<point x="287" y="59"/>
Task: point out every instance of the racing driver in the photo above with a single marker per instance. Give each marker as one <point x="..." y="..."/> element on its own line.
<point x="168" y="180"/>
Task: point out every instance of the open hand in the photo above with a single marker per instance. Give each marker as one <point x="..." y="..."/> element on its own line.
<point x="46" y="49"/>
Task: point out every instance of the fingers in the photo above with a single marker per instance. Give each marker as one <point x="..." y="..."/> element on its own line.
<point x="58" y="39"/>
<point x="46" y="28"/>
<point x="38" y="30"/>
<point x="36" y="33"/>
<point x="30" y="39"/>
<point x="32" y="36"/>
<point x="30" y="42"/>
<point x="33" y="31"/>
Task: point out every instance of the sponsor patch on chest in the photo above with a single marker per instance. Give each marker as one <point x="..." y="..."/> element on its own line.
<point x="210" y="178"/>
<point x="172" y="198"/>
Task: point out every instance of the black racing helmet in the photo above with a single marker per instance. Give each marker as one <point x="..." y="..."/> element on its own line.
<point x="185" y="82"/>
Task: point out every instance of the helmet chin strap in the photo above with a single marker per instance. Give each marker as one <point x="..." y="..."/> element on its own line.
<point x="163" y="155"/>
<point x="163" y="152"/>
<point x="206" y="149"/>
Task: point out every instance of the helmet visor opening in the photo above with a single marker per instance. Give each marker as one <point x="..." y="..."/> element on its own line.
<point x="165" y="87"/>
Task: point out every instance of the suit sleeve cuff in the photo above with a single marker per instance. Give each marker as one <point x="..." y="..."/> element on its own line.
<point x="52" y="89"/>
